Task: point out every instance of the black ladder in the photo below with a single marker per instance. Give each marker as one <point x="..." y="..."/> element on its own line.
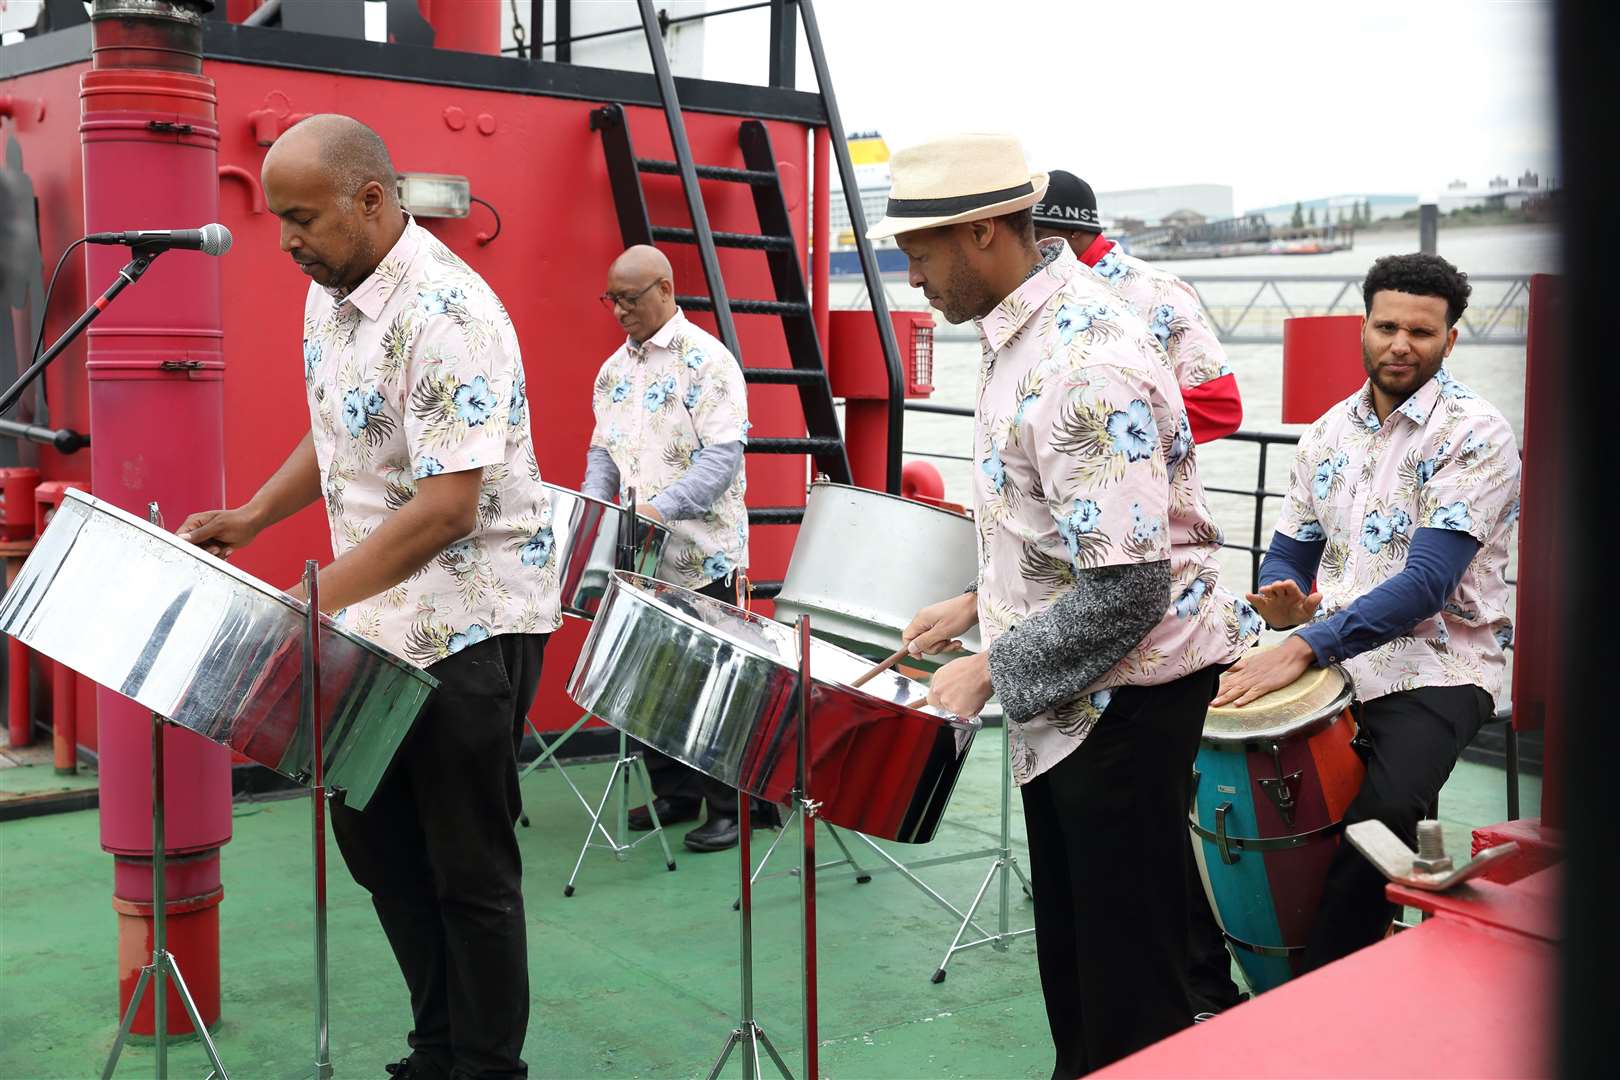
<point x="824" y="442"/>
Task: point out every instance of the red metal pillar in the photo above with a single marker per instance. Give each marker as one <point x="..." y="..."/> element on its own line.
<point x="1321" y="364"/>
<point x="469" y="27"/>
<point x="155" y="363"/>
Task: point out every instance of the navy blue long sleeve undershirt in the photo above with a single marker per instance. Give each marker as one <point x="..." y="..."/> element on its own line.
<point x="1435" y="564"/>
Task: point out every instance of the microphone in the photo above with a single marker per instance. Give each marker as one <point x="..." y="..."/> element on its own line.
<point x="212" y="239"/>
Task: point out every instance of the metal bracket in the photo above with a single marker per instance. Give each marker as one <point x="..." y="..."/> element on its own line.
<point x="1228" y="856"/>
<point x="1398" y="863"/>
<point x="1283" y="791"/>
<point x="811" y="807"/>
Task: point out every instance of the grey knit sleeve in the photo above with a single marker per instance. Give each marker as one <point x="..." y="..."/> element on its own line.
<point x="1052" y="656"/>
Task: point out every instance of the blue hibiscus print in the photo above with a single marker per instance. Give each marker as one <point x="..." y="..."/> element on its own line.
<point x="1472" y="446"/>
<point x="1110" y="267"/>
<point x="621" y="390"/>
<point x="1503" y="635"/>
<point x="1450" y="387"/>
<point x="1426" y="469"/>
<point x="1326" y="472"/>
<point x="536" y="550"/>
<point x="1452" y="516"/>
<point x="1309" y="531"/>
<point x="1191" y="599"/>
<point x="1376" y="531"/>
<point x="1133" y="431"/>
<point x="658" y="393"/>
<point x="1182" y="444"/>
<point x="693" y="392"/>
<point x="1101" y="698"/>
<point x="355" y="416"/>
<point x="1400" y="522"/>
<point x="993" y="468"/>
<point x="438" y="301"/>
<point x="1083" y="518"/>
<point x="1143" y="528"/>
<point x="1070" y="320"/>
<point x="1248" y="620"/>
<point x="1370" y="421"/>
<point x="312" y="358"/>
<point x="374" y="402"/>
<point x="744" y="437"/>
<point x="428" y="466"/>
<point x="474" y="633"/>
<point x="475" y="401"/>
<point x="1511" y="515"/>
<point x="716" y="566"/>
<point x="695" y="358"/>
<point x="1023" y="403"/>
<point x="1163" y="316"/>
<point x="516" y="403"/>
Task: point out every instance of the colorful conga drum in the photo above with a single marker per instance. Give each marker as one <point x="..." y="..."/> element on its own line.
<point x="1270" y="788"/>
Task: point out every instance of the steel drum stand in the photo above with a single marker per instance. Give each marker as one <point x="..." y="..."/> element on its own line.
<point x="163" y="966"/>
<point x="311" y="702"/>
<point x="627" y="765"/>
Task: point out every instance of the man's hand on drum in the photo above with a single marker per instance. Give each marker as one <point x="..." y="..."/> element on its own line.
<point x="962" y="686"/>
<point x="935" y="628"/>
<point x="1260" y="673"/>
<point x="220" y="532"/>
<point x="1282" y="605"/>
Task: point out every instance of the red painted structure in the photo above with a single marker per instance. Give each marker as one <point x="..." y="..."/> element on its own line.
<point x="1321" y="364"/>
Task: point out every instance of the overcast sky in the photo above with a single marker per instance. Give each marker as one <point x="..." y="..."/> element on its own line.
<point x="1280" y="100"/>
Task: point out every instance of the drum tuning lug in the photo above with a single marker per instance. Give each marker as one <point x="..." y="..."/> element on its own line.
<point x="1429" y="868"/>
<point x="1283" y="791"/>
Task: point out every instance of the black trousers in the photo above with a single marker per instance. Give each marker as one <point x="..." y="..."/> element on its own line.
<point x="1411" y="741"/>
<point x="435" y="847"/>
<point x="673" y="780"/>
<point x="1108" y="842"/>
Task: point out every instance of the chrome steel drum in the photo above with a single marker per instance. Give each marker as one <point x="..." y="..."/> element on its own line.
<point x="203" y="644"/>
<point x="716" y="687"/>
<point x="865" y="562"/>
<point x="587" y="535"/>
<point x="1270" y="790"/>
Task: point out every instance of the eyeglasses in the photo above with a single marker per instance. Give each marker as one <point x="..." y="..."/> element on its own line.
<point x="629" y="300"/>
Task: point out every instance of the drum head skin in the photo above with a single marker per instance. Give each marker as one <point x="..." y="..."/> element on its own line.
<point x="1316" y="696"/>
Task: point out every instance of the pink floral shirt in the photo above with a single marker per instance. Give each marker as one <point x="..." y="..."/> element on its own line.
<point x="657" y="406"/>
<point x="1172" y="311"/>
<point x="414" y="373"/>
<point x="1085" y="459"/>
<point x="1444" y="459"/>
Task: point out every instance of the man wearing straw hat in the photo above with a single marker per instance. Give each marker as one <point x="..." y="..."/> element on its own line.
<point x="1098" y="590"/>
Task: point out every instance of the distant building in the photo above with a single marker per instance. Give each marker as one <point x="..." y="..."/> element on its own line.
<point x="1498" y="182"/>
<point x="1457" y="185"/>
<point x="1184" y="217"/>
<point x="1153" y="206"/>
<point x="1327" y="209"/>
<point x="1529" y="180"/>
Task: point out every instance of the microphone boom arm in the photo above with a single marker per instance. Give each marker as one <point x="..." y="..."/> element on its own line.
<point x="129" y="275"/>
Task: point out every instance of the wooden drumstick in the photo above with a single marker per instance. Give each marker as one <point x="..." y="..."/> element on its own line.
<point x="899" y="655"/>
<point x="919" y="703"/>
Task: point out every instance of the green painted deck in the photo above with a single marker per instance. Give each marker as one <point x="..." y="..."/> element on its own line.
<point x="633" y="976"/>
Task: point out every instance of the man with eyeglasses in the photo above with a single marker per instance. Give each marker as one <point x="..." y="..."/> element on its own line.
<point x="671" y="422"/>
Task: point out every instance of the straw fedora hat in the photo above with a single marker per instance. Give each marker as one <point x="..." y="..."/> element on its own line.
<point x="957" y="179"/>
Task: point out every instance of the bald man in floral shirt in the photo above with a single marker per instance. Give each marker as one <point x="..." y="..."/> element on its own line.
<point x="420" y="448"/>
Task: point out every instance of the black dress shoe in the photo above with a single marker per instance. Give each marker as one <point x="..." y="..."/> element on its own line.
<point x="719" y="833"/>
<point x="670" y="812"/>
<point x="416" y="1067"/>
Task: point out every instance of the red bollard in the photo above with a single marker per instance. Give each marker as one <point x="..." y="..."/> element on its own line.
<point x="1321" y="365"/>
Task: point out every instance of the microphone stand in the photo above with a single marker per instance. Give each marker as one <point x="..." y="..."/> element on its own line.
<point x="129" y="275"/>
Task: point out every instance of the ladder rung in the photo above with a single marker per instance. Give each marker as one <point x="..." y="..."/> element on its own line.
<point x="782" y="375"/>
<point x="746" y="307"/>
<point x="815" y="444"/>
<point x="753" y="241"/>
<point x="707" y="172"/>
<point x="775" y="515"/>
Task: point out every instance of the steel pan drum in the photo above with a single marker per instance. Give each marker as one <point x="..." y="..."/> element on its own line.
<point x="1271" y="785"/>
<point x="865" y="562"/>
<point x="586" y="532"/>
<point x="208" y="647"/>
<point x="716" y="687"/>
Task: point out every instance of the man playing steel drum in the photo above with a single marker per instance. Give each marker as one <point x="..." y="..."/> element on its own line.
<point x="1401" y="503"/>
<point x="420" y="447"/>
<point x="1068" y="212"/>
<point x="1170" y="307"/>
<point x="671" y="421"/>
<point x="1098" y="591"/>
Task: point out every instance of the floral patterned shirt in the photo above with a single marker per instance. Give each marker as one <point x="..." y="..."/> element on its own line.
<point x="658" y="404"/>
<point x="1444" y="459"/>
<point x="1084" y="459"/>
<point x="417" y="372"/>
<point x="1170" y="308"/>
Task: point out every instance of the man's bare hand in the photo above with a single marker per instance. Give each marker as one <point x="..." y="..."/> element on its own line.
<point x="1282" y="605"/>
<point x="962" y="687"/>
<point x="1261" y="672"/>
<point x="936" y="627"/>
<point x="220" y="532"/>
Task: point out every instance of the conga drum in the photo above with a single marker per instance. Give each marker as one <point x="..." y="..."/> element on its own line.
<point x="1270" y="788"/>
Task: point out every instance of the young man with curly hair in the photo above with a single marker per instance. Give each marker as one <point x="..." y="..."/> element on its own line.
<point x="1401" y="504"/>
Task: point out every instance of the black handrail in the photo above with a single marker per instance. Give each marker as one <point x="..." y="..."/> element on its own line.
<point x="65" y="440"/>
